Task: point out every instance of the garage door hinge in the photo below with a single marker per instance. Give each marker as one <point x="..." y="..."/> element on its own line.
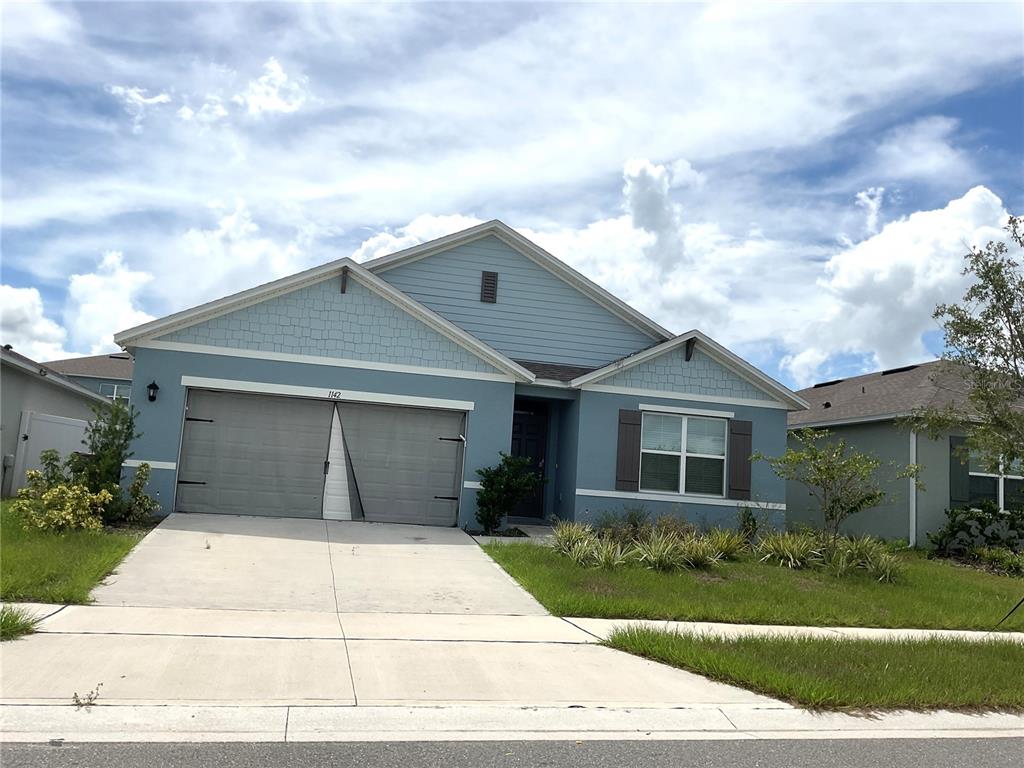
<point x="459" y="439"/>
<point x="196" y="418"/>
<point x="327" y="466"/>
<point x="191" y="482"/>
<point x="447" y="498"/>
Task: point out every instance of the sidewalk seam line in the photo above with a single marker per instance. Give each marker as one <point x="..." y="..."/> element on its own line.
<point x="337" y="614"/>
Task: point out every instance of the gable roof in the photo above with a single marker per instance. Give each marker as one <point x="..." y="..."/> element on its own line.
<point x="209" y="310"/>
<point x="47" y="375"/>
<point x="882" y="395"/>
<point x="711" y="348"/>
<point x="534" y="253"/>
<point x="115" y="366"/>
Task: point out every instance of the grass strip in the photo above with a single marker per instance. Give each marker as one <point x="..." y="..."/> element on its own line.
<point x="15" y="622"/>
<point x="48" y="567"/>
<point x="931" y="594"/>
<point x="847" y="673"/>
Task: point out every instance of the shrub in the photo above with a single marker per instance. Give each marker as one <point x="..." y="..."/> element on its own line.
<point x="108" y="439"/>
<point x="140" y="505"/>
<point x="748" y="524"/>
<point x="999" y="559"/>
<point x="609" y="553"/>
<point x="695" y="551"/>
<point x="567" y="535"/>
<point x="659" y="551"/>
<point x="633" y="523"/>
<point x="865" y="554"/>
<point x="61" y="507"/>
<point x="581" y="552"/>
<point x="728" y="544"/>
<point x="502" y="488"/>
<point x="979" y="526"/>
<point x="673" y="526"/>
<point x="792" y="550"/>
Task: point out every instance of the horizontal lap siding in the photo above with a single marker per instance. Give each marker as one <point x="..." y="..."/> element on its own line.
<point x="537" y="315"/>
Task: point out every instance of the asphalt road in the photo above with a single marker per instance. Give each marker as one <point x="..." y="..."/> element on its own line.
<point x="862" y="753"/>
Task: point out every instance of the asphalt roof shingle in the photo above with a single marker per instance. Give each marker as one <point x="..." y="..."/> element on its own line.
<point x="118" y="365"/>
<point x="874" y="396"/>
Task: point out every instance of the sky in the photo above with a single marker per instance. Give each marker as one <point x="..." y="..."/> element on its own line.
<point x="799" y="182"/>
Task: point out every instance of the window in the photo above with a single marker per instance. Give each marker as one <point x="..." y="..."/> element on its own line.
<point x="682" y="454"/>
<point x="1005" y="488"/>
<point x="117" y="391"/>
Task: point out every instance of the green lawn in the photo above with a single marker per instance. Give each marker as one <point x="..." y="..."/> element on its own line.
<point x="844" y="673"/>
<point x="15" y="622"/>
<point x="51" y="568"/>
<point x="931" y="594"/>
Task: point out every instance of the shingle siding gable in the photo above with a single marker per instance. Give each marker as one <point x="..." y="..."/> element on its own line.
<point x="320" y="321"/>
<point x="701" y="375"/>
<point x="536" y="316"/>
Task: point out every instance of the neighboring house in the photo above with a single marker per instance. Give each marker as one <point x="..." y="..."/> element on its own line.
<point x="107" y="375"/>
<point x="39" y="409"/>
<point x="866" y="411"/>
<point x="375" y="391"/>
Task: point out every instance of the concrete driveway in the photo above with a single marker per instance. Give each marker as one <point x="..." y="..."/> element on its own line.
<point x="279" y="564"/>
<point x="245" y="611"/>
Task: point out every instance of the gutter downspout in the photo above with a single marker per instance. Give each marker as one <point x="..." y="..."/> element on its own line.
<point x="912" y="538"/>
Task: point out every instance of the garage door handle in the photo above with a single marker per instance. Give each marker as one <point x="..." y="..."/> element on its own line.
<point x="447" y="498"/>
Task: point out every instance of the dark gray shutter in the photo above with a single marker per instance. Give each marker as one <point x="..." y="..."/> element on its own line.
<point x="959" y="475"/>
<point x="740" y="447"/>
<point x="489" y="287"/>
<point x="627" y="464"/>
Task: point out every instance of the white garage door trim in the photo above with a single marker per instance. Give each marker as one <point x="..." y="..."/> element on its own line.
<point x="319" y="393"/>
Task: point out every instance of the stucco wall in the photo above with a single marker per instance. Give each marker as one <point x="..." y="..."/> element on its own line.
<point x="21" y="391"/>
<point x="933" y="499"/>
<point x="93" y="383"/>
<point x="891" y="520"/>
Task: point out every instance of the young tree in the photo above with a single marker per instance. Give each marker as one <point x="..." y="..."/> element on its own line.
<point x="842" y="481"/>
<point x="502" y="488"/>
<point x="985" y="345"/>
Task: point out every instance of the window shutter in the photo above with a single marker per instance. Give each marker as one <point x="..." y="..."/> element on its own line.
<point x="489" y="287"/>
<point x="959" y="475"/>
<point x="740" y="448"/>
<point x="627" y="464"/>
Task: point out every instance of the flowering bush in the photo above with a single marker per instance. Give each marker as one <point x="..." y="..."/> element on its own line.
<point x="61" y="507"/>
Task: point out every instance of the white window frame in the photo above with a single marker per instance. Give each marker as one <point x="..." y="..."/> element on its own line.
<point x="116" y="395"/>
<point x="683" y="454"/>
<point x="1001" y="479"/>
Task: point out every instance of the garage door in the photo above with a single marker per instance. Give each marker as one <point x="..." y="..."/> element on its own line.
<point x="253" y="455"/>
<point x="245" y="454"/>
<point x="406" y="462"/>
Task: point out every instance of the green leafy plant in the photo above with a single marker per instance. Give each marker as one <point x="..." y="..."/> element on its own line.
<point x="981" y="525"/>
<point x="728" y="544"/>
<point x="609" y="553"/>
<point x="107" y="440"/>
<point x="999" y="559"/>
<point x="696" y="551"/>
<point x="566" y="535"/>
<point x="140" y="506"/>
<point x="60" y="507"/>
<point x="659" y="551"/>
<point x="502" y="488"/>
<point x="791" y="550"/>
<point x="841" y="480"/>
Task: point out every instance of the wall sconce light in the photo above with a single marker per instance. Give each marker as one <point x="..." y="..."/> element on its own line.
<point x="151" y="390"/>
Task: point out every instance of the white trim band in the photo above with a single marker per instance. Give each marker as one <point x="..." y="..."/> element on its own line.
<point x="288" y="357"/>
<point x="686" y="411"/>
<point x="322" y="393"/>
<point x="683" y="396"/>
<point x="152" y="464"/>
<point x="679" y="498"/>
<point x="474" y="484"/>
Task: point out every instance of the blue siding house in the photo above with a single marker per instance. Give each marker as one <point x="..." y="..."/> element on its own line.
<point x="375" y="391"/>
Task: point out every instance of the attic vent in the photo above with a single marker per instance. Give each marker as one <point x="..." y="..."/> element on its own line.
<point x="827" y="383"/>
<point x="899" y="370"/>
<point x="489" y="287"/>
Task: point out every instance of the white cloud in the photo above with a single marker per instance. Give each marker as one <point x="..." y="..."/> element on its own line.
<point x="136" y="102"/>
<point x="211" y="111"/>
<point x="31" y="25"/>
<point x="646" y="192"/>
<point x="923" y="150"/>
<point x="876" y="298"/>
<point x="419" y="230"/>
<point x="102" y="302"/>
<point x="24" y="326"/>
<point x="870" y="200"/>
<point x="273" y="91"/>
<point x="682" y="174"/>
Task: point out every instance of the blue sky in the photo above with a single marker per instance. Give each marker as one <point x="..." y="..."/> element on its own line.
<point x="800" y="182"/>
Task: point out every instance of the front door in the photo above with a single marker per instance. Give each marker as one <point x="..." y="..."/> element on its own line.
<point x="530" y="439"/>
